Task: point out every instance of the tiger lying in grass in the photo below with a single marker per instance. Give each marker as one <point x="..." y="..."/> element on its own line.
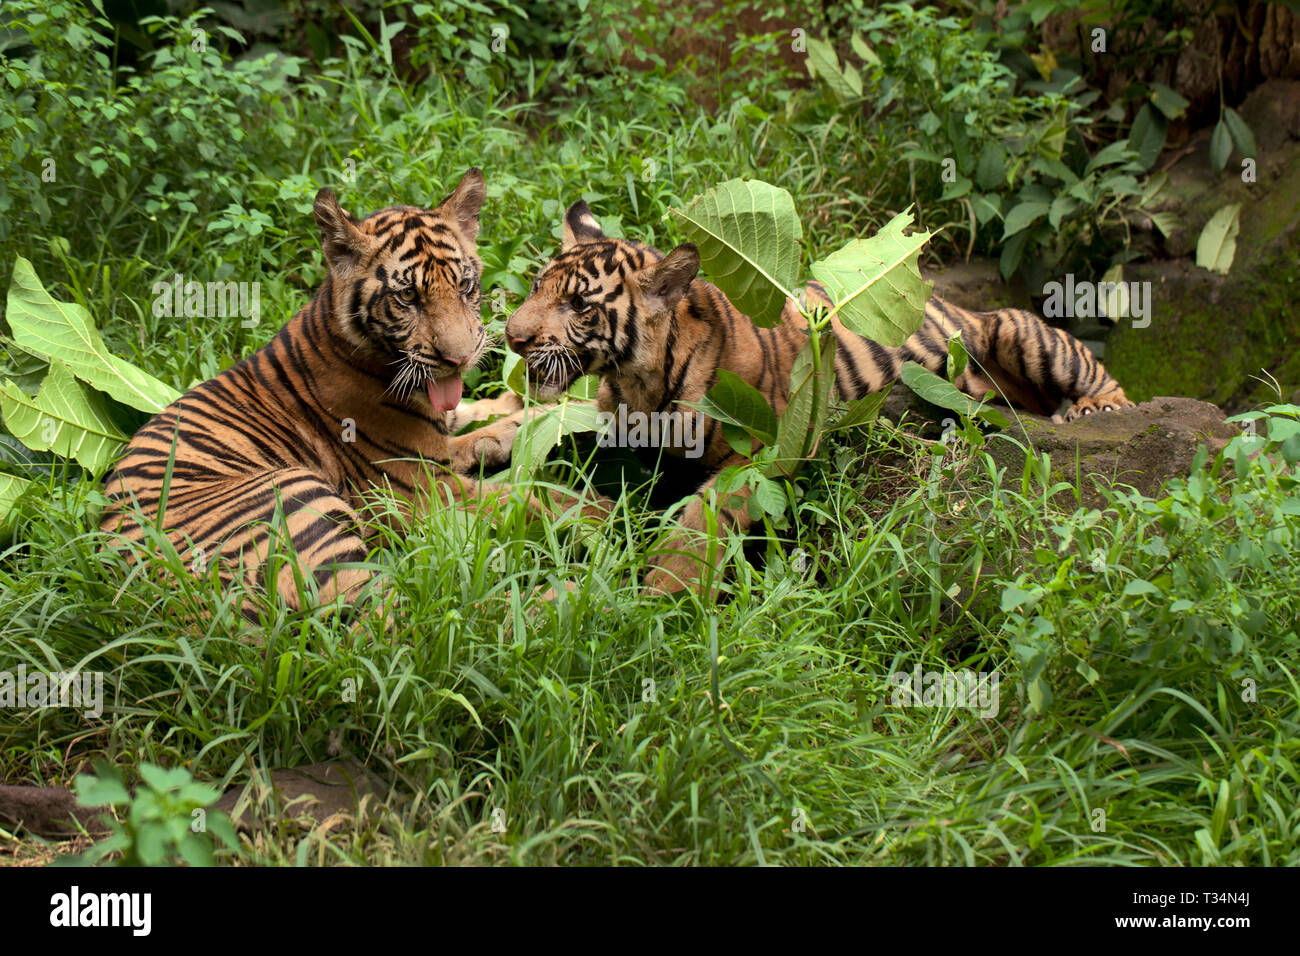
<point x="360" y="390"/>
<point x="657" y="336"/>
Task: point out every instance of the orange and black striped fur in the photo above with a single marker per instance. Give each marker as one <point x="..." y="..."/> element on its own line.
<point x="657" y="335"/>
<point x="361" y="389"/>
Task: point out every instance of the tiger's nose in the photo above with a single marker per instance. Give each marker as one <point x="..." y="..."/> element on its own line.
<point x="517" y="342"/>
<point x="459" y="361"/>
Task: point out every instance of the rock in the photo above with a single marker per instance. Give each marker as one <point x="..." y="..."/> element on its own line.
<point x="977" y="285"/>
<point x="319" y="790"/>
<point x="1141" y="446"/>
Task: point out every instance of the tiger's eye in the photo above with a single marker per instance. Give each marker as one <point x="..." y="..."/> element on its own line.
<point x="467" y="285"/>
<point x="579" y="304"/>
<point x="406" y="296"/>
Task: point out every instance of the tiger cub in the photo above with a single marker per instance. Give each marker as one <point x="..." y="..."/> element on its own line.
<point x="657" y="336"/>
<point x="359" y="390"/>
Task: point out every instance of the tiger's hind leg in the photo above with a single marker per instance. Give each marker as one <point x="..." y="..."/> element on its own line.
<point x="1038" y="366"/>
<point x="325" y="532"/>
<point x="240" y="522"/>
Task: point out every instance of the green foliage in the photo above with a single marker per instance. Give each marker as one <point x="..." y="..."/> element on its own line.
<point x="612" y="726"/>
<point x="738" y="405"/>
<point x="478" y="696"/>
<point x="83" y="408"/>
<point x="937" y="391"/>
<point x="748" y="235"/>
<point x="1002" y="157"/>
<point x="64" y="332"/>
<point x="65" y="417"/>
<point x="165" y="823"/>
<point x="141" y="143"/>
<point x="876" y="283"/>
<point x="537" y="437"/>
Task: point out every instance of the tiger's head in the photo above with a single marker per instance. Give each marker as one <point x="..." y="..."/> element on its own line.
<point x="405" y="289"/>
<point x="600" y="306"/>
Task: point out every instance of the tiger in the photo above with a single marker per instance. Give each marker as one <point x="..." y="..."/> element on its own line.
<point x="360" y="390"/>
<point x="658" y="335"/>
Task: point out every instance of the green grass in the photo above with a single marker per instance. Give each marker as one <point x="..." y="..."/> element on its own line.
<point x="473" y="694"/>
<point x="770" y="735"/>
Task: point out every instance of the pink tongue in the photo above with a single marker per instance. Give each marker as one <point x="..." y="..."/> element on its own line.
<point x="444" y="394"/>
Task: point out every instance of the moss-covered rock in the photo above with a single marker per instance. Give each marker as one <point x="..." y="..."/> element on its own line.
<point x="1142" y="446"/>
<point x="1212" y="337"/>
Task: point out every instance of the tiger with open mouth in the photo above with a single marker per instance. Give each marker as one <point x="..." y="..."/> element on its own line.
<point x="360" y="390"/>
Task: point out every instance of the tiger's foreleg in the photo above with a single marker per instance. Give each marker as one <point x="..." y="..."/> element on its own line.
<point x="689" y="553"/>
<point x="483" y="409"/>
<point x="488" y="448"/>
<point x="485" y="498"/>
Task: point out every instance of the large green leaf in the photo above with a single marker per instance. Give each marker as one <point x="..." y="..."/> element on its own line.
<point x="537" y="436"/>
<point x="876" y="285"/>
<point x="1147" y="135"/>
<point x="1220" y="146"/>
<point x="846" y="83"/>
<point x="65" y="417"/>
<point x="1217" y="244"/>
<point x="1168" y="101"/>
<point x="64" y="332"/>
<point x="11" y="487"/>
<point x="861" y="411"/>
<point x="1241" y="134"/>
<point x="749" y="238"/>
<point x="1023" y="215"/>
<point x="734" y="401"/>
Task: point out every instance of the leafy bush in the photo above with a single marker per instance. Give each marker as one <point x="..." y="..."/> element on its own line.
<point x="166" y="823"/>
<point x="1018" y="166"/>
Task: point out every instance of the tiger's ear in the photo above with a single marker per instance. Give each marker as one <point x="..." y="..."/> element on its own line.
<point x="580" y="226"/>
<point x="665" y="282"/>
<point x="342" y="241"/>
<point x="465" y="202"/>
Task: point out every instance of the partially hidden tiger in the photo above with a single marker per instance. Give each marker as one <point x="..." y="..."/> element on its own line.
<point x="657" y="334"/>
<point x="360" y="390"/>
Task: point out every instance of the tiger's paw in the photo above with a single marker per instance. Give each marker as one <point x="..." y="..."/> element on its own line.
<point x="487" y="448"/>
<point x="1110" y="402"/>
<point x="677" y="569"/>
<point x="484" y="409"/>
